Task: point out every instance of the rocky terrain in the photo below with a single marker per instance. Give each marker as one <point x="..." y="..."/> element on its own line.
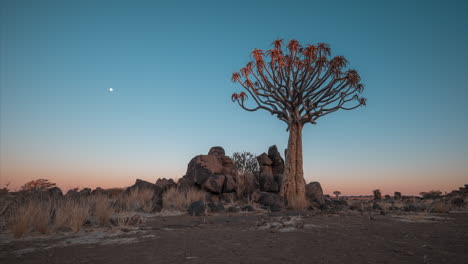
<point x="214" y="214"/>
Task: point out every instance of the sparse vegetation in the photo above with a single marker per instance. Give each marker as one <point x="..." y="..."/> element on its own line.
<point x="175" y="199"/>
<point x="37" y="185"/>
<point x="337" y="194"/>
<point x="431" y="194"/>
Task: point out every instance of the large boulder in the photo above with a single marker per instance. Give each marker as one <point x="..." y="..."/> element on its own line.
<point x="271" y="201"/>
<point x="166" y="184"/>
<point x="214" y="183"/>
<point x="278" y="163"/>
<point x="144" y="185"/>
<point x="314" y="193"/>
<point x="217" y="151"/>
<point x="213" y="172"/>
<point x="271" y="170"/>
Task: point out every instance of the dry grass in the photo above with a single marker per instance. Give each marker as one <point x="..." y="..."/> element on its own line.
<point x="298" y="203"/>
<point x="101" y="208"/>
<point x="137" y="200"/>
<point x="175" y="199"/>
<point x="71" y="214"/>
<point x="33" y="215"/>
<point x="439" y="207"/>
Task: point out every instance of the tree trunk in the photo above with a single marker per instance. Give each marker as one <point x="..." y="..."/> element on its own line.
<point x="293" y="183"/>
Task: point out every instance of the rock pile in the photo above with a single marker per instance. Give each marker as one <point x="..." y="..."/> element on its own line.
<point x="213" y="172"/>
<point x="271" y="170"/>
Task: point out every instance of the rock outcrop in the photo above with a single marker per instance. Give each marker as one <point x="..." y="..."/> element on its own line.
<point x="271" y="170"/>
<point x="144" y="185"/>
<point x="213" y="172"/>
<point x="314" y="193"/>
<point x="166" y="184"/>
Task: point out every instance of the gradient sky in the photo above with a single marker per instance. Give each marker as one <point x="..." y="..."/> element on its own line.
<point x="170" y="64"/>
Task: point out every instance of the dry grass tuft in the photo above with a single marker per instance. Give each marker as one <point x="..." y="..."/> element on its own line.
<point x="175" y="199"/>
<point x="439" y="207"/>
<point x="136" y="200"/>
<point x="71" y="214"/>
<point x="30" y="216"/>
<point x="101" y="208"/>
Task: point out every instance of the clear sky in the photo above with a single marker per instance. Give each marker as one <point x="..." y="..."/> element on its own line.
<point x="170" y="63"/>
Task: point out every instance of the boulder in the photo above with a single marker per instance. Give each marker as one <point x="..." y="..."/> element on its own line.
<point x="165" y="184"/>
<point x="85" y="192"/>
<point x="214" y="183"/>
<point x="278" y="163"/>
<point x="271" y="170"/>
<point x="266" y="180"/>
<point x="197" y="208"/>
<point x="217" y="151"/>
<point x="99" y="191"/>
<point x="397" y="196"/>
<point x="233" y="209"/>
<point x="213" y="172"/>
<point x="157" y="192"/>
<point x="55" y="192"/>
<point x="215" y="206"/>
<point x="264" y="160"/>
<point x="314" y="193"/>
<point x="248" y="208"/>
<point x="230" y="184"/>
<point x="271" y="201"/>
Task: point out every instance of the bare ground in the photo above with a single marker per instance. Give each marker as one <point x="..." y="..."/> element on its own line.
<point x="258" y="238"/>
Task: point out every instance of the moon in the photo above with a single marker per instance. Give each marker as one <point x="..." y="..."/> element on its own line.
<point x="111" y="89"/>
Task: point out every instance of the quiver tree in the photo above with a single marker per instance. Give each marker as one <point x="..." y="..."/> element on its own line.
<point x="298" y="85"/>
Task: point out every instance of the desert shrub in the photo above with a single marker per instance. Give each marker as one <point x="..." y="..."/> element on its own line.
<point x="101" y="208"/>
<point x="431" y="194"/>
<point x="298" y="203"/>
<point x="414" y="207"/>
<point x="37" y="185"/>
<point x="245" y="162"/>
<point x="71" y="214"/>
<point x="377" y="194"/>
<point x="176" y="199"/>
<point x="439" y="207"/>
<point x="458" y="201"/>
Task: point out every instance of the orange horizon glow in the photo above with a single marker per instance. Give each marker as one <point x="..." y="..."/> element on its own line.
<point x="347" y="184"/>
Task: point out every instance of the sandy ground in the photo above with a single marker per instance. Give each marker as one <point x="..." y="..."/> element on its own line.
<point x="257" y="238"/>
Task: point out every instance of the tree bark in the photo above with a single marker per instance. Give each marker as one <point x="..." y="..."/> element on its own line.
<point x="293" y="183"/>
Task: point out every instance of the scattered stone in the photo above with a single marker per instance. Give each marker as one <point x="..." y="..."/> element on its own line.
<point x="233" y="209"/>
<point x="248" y="208"/>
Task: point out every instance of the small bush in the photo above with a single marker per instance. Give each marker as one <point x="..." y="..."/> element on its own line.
<point x="175" y="199"/>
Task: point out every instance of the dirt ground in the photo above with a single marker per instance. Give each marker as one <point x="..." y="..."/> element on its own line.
<point x="258" y="238"/>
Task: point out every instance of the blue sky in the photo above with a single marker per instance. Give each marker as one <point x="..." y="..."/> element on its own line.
<point x="170" y="62"/>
